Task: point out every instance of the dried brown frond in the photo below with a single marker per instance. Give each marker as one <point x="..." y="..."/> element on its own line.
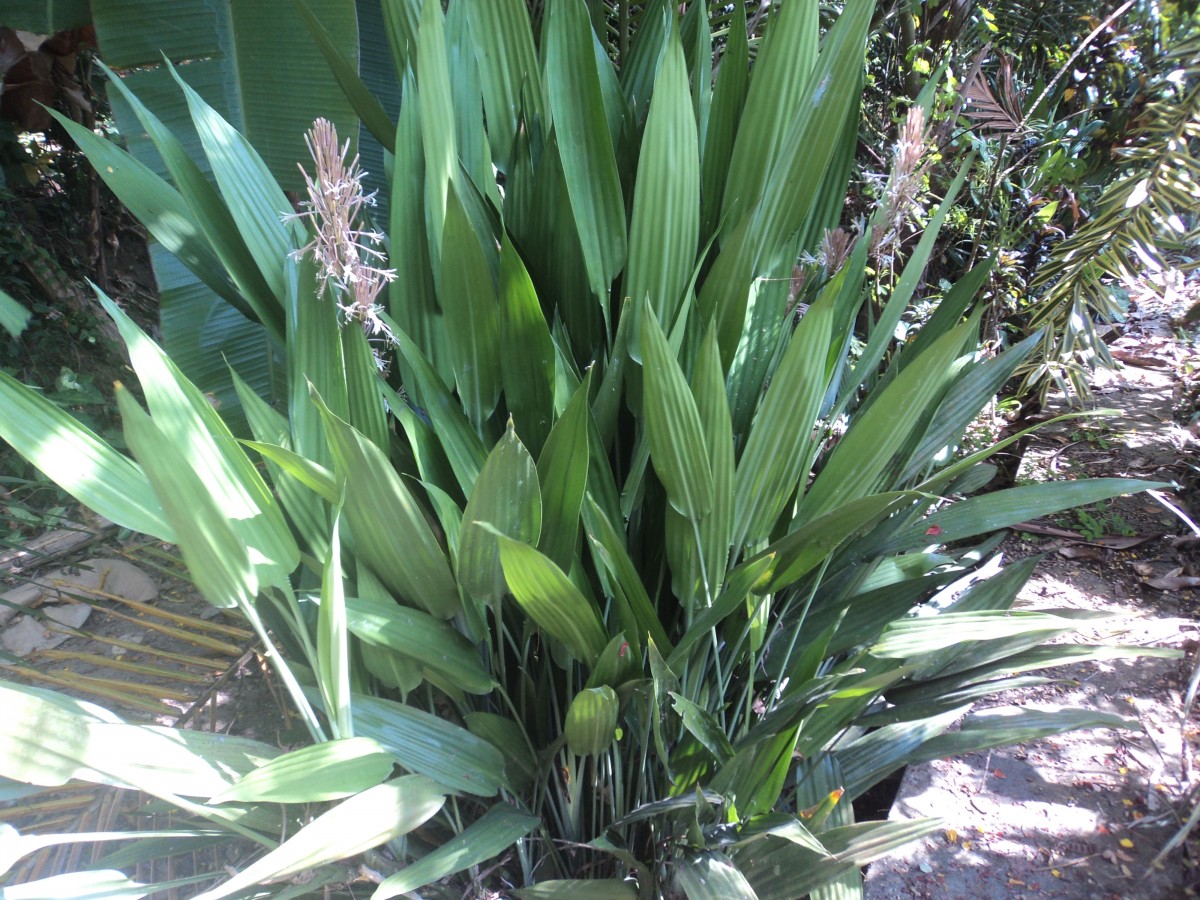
<point x="998" y="109"/>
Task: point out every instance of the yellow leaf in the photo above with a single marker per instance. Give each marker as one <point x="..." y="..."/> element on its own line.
<point x="1126" y="843"/>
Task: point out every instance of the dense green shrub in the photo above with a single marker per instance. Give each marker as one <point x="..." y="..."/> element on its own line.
<point x="637" y="576"/>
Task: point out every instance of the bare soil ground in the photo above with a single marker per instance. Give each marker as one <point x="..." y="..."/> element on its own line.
<point x="1086" y="814"/>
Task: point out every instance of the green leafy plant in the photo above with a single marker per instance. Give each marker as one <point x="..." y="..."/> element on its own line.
<point x="638" y="580"/>
<point x="1099" y="520"/>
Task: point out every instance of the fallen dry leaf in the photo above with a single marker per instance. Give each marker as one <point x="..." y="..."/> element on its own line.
<point x="1173" y="582"/>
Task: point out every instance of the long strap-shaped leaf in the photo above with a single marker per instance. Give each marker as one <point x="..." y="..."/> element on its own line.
<point x="666" y="202"/>
<point x="212" y="215"/>
<point x="549" y="598"/>
<point x="366" y="820"/>
<point x="79" y="461"/>
<point x="488" y="836"/>
<point x="588" y="159"/>
<point x="785" y="64"/>
<point x="391" y="533"/>
<point x="677" y="446"/>
<point x="507" y="496"/>
<point x="199" y="435"/>
<point x="508" y="69"/>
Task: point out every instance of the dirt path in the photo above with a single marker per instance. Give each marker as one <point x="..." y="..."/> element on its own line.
<point x="1084" y="815"/>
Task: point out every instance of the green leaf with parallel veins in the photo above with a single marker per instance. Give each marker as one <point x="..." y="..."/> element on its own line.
<point x="916" y="637"/>
<point x="421" y="637"/>
<point x="529" y="375"/>
<point x="713" y="876"/>
<point x="464" y="448"/>
<point x="592" y="721"/>
<point x="704" y="727"/>
<point x="254" y="197"/>
<point x="160" y="207"/>
<point x="781" y="72"/>
<point x="508" y="69"/>
<point x="781" y="446"/>
<point x="490" y="835"/>
<point x="437" y="131"/>
<point x="677" y="446"/>
<point x="328" y="771"/>
<point x="333" y="637"/>
<point x="211" y="214"/>
<point x="79" y="461"/>
<point x="1003" y="509"/>
<point x="506" y="495"/>
<point x="468" y="298"/>
<point x="520" y="762"/>
<point x="805" y="548"/>
<point x="431" y="746"/>
<point x="598" y="889"/>
<point x="13" y="316"/>
<point x="588" y="160"/>
<point x="860" y="460"/>
<point x="733" y="598"/>
<point x="665" y="225"/>
<point x="716" y="529"/>
<point x="563" y="474"/>
<point x="215" y="556"/>
<point x="313" y="476"/>
<point x="390" y="531"/>
<point x="366" y="820"/>
<point x="778" y="869"/>
<point x="366" y="107"/>
<point x="609" y="547"/>
<point x="200" y="436"/>
<point x="725" y="114"/>
<point x="1003" y="727"/>
<point x="549" y="598"/>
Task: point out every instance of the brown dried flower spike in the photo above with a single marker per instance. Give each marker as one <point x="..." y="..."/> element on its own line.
<point x="348" y="257"/>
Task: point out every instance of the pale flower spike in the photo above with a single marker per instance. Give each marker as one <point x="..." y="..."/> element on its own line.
<point x="902" y="192"/>
<point x="348" y="258"/>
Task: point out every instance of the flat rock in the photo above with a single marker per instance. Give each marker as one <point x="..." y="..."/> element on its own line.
<point x="118" y="577"/>
<point x="28" y="634"/>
